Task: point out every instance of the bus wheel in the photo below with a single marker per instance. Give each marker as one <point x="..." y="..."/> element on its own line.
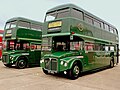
<point x="21" y="64"/>
<point x="111" y="63"/>
<point x="8" y="65"/>
<point x="45" y="71"/>
<point x="74" y="72"/>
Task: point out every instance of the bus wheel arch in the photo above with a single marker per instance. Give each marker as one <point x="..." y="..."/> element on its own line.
<point x="75" y="70"/>
<point x="21" y="62"/>
<point x="79" y="63"/>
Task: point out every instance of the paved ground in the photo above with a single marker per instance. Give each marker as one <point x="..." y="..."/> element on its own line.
<point x="35" y="79"/>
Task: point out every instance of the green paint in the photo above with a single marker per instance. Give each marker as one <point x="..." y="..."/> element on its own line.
<point x="76" y="29"/>
<point x="24" y="35"/>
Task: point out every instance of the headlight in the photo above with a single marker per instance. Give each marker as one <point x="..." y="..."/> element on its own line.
<point x="41" y="61"/>
<point x="61" y="62"/>
<point x="65" y="64"/>
<point x="11" y="57"/>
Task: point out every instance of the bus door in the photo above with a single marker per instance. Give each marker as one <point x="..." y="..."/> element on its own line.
<point x="35" y="53"/>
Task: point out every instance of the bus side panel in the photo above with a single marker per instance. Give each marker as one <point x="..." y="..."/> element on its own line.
<point x="102" y="59"/>
<point x="34" y="58"/>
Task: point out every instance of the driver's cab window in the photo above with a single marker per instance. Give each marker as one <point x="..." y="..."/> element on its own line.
<point x="60" y="46"/>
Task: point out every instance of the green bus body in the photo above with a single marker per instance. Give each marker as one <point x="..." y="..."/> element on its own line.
<point x="97" y="43"/>
<point x="22" y="43"/>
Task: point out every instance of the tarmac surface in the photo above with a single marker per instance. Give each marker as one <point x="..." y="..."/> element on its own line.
<point x="35" y="79"/>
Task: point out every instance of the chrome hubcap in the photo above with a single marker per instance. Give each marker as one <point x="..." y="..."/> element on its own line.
<point x="76" y="70"/>
<point x="21" y="64"/>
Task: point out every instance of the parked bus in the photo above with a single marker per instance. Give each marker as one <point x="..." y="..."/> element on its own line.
<point x="1" y="35"/>
<point x="77" y="41"/>
<point x="22" y="43"/>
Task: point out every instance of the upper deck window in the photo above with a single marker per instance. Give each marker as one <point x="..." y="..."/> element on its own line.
<point x="36" y="26"/>
<point x="112" y="30"/>
<point x="102" y="25"/>
<point x="51" y="16"/>
<point x="97" y="23"/>
<point x="57" y="14"/>
<point x="88" y="19"/>
<point x="115" y="30"/>
<point x="106" y="27"/>
<point x="10" y="24"/>
<point x="23" y="24"/>
<point x="63" y="13"/>
<point x="77" y="14"/>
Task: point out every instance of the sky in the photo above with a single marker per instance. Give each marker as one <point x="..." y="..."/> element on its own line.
<point x="107" y="10"/>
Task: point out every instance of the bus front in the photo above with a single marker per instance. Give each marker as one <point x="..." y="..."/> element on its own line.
<point x="8" y="43"/>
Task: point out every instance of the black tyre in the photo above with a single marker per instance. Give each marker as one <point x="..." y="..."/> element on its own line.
<point x="45" y="71"/>
<point x="74" y="72"/>
<point x="8" y="65"/>
<point x="111" y="63"/>
<point x="21" y="64"/>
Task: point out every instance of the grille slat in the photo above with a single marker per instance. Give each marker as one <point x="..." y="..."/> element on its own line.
<point x="54" y="64"/>
<point x="47" y="64"/>
<point x="51" y="64"/>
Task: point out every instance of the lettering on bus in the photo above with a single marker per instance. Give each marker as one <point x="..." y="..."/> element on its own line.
<point x="55" y="25"/>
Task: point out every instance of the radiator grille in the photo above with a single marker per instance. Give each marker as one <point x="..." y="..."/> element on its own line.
<point x="5" y="58"/>
<point x="51" y="64"/>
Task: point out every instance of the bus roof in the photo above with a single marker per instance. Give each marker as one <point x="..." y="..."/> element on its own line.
<point x="76" y="7"/>
<point x="24" y="19"/>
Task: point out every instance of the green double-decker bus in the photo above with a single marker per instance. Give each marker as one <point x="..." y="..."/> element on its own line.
<point x="22" y="43"/>
<point x="75" y="41"/>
